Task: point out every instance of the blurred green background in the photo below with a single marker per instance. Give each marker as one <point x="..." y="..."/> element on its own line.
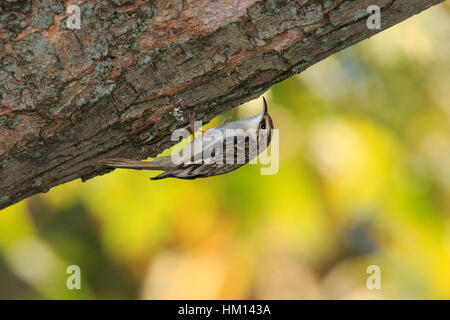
<point x="364" y="179"/>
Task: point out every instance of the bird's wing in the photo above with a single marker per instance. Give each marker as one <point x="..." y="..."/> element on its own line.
<point x="214" y="150"/>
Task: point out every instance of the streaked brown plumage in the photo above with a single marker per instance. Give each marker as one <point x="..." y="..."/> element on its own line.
<point x="256" y="133"/>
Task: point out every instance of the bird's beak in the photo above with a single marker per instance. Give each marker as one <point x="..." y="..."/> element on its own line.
<point x="265" y="111"/>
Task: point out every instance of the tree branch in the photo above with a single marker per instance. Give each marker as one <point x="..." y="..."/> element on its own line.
<point x="136" y="69"/>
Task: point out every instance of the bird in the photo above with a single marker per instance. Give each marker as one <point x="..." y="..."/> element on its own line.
<point x="219" y="150"/>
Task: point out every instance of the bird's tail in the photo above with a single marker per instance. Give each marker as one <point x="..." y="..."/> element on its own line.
<point x="130" y="164"/>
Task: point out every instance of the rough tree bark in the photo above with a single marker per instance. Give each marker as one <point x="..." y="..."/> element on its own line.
<point x="136" y="69"/>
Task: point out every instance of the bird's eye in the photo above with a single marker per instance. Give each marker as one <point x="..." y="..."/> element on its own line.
<point x="262" y="125"/>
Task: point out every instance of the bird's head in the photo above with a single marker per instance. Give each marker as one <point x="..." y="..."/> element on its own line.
<point x="264" y="123"/>
<point x="261" y="124"/>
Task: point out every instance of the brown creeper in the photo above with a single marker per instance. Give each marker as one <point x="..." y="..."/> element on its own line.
<point x="217" y="151"/>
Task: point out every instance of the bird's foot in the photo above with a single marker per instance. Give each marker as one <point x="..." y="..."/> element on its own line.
<point x="226" y="118"/>
<point x="191" y="126"/>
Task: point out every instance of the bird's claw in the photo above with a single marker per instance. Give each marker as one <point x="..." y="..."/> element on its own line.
<point x="226" y="118"/>
<point x="190" y="126"/>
